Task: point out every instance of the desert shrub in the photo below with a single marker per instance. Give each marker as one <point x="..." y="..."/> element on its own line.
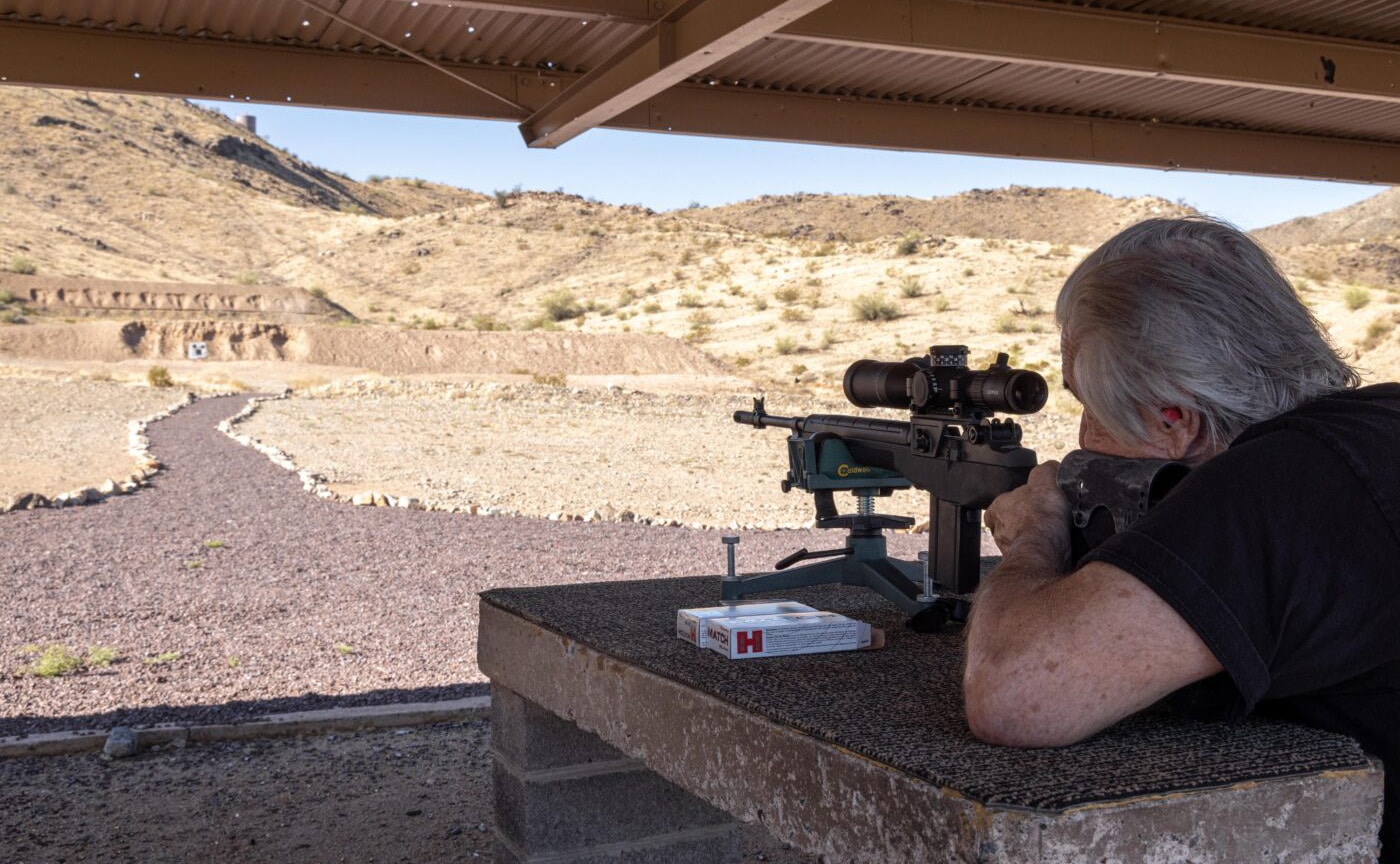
<point x="1006" y="323"/>
<point x="787" y="294"/>
<point x="873" y="307"/>
<point x="12" y="316"/>
<point x="968" y="272"/>
<point x="549" y="379"/>
<point x="247" y="277"/>
<point x="318" y="292"/>
<point x="6" y="297"/>
<point x="23" y="266"/>
<point x="784" y="345"/>
<point x="741" y="361"/>
<point x="50" y="661"/>
<point x="159" y="376"/>
<point x="1356" y="297"/>
<point x="828" y="337"/>
<point x="1376" y="331"/>
<point x="627" y="297"/>
<point x="430" y="324"/>
<point x="99" y="657"/>
<point x="798" y="368"/>
<point x="793" y="315"/>
<point x="911" y="286"/>
<point x="561" y="305"/>
<point x="690" y="300"/>
<point x="161" y="659"/>
<point x="700" y="324"/>
<point x="10" y="189"/>
<point x="651" y="307"/>
<point x="376" y="178"/>
<point x="1059" y="250"/>
<point x="486" y="322"/>
<point x="908" y="245"/>
<point x="1031" y="311"/>
<point x="760" y="303"/>
<point x="502" y="198"/>
<point x="942" y="304"/>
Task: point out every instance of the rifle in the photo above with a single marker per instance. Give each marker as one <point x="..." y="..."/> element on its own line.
<point x="951" y="447"/>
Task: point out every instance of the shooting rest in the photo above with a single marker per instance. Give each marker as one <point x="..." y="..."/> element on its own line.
<point x="614" y="740"/>
<point x="930" y="592"/>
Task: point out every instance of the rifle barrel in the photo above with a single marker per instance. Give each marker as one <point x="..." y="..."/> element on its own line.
<point x="762" y="420"/>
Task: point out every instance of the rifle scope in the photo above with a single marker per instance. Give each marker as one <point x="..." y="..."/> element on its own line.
<point x="942" y="382"/>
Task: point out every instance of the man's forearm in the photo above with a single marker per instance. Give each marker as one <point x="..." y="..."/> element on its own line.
<point x="1006" y="595"/>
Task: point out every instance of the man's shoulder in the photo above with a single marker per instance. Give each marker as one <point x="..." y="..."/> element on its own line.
<point x="1346" y="413"/>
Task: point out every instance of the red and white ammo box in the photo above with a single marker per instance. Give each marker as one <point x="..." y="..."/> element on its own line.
<point x="690" y="623"/>
<point x="787" y="633"/>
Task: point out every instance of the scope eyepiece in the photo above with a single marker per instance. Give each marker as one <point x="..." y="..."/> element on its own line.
<point x="1010" y="391"/>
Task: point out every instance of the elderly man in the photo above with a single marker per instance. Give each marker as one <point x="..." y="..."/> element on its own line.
<point x="1268" y="580"/>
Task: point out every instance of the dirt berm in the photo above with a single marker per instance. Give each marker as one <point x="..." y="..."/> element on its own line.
<point x="160" y="299"/>
<point x="385" y="349"/>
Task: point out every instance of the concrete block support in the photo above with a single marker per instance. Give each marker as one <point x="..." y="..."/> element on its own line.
<point x="565" y="796"/>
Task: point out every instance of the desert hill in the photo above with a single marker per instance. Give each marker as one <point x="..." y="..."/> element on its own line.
<point x="1359" y="244"/>
<point x="782" y="289"/>
<point x="1375" y="218"/>
<point x="1081" y="216"/>
<point x="131" y="187"/>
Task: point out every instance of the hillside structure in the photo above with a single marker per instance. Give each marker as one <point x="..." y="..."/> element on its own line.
<point x="1304" y="88"/>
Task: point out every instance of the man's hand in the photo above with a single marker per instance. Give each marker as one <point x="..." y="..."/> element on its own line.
<point x="1037" y="511"/>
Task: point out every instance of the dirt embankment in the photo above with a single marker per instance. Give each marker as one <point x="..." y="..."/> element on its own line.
<point x="98" y="296"/>
<point x="388" y="350"/>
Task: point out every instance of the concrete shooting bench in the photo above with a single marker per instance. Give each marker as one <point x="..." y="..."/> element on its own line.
<point x="614" y="740"/>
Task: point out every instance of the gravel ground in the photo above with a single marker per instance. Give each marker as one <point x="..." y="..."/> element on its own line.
<point x="306" y="604"/>
<point x="410" y="795"/>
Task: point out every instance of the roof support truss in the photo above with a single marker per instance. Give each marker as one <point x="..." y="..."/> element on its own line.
<point x="685" y="43"/>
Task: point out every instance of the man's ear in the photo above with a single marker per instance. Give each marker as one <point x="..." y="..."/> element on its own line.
<point x="1180" y="432"/>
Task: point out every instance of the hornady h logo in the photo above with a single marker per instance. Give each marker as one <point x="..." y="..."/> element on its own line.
<point x="748" y="642"/>
<point x="844" y="470"/>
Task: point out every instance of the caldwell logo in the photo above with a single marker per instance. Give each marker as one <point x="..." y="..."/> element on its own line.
<point x="844" y="470"/>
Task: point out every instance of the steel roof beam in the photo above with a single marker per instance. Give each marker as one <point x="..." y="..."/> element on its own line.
<point x="1121" y="43"/>
<point x="683" y="44"/>
<point x="844" y="121"/>
<point x="48" y="55"/>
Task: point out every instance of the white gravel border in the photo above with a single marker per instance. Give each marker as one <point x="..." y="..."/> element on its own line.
<point x="137" y="446"/>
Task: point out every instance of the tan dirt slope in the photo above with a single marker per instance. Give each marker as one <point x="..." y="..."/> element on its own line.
<point x="1081" y="216"/>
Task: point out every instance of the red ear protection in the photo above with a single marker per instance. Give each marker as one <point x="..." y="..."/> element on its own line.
<point x="1172" y="415"/>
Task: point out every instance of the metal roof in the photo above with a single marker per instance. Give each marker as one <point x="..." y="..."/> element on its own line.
<point x="1293" y="87"/>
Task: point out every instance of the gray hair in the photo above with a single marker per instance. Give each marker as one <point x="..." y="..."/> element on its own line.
<point x="1192" y="313"/>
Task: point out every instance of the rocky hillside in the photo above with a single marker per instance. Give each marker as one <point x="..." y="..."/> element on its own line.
<point x="1376" y="218"/>
<point x="782" y="289"/>
<point x="1081" y="216"/>
<point x="132" y="187"/>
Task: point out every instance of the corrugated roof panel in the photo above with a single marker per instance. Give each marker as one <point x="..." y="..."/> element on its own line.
<point x="812" y="67"/>
<point x="442" y="32"/>
<point x="1301" y="114"/>
<point x="1371" y="20"/>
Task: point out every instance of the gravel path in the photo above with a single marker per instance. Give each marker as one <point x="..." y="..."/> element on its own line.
<point x="306" y="604"/>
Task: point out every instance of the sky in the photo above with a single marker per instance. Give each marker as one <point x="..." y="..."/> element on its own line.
<point x="666" y="172"/>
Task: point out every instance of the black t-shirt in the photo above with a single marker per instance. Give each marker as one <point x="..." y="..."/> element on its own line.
<point x="1283" y="554"/>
